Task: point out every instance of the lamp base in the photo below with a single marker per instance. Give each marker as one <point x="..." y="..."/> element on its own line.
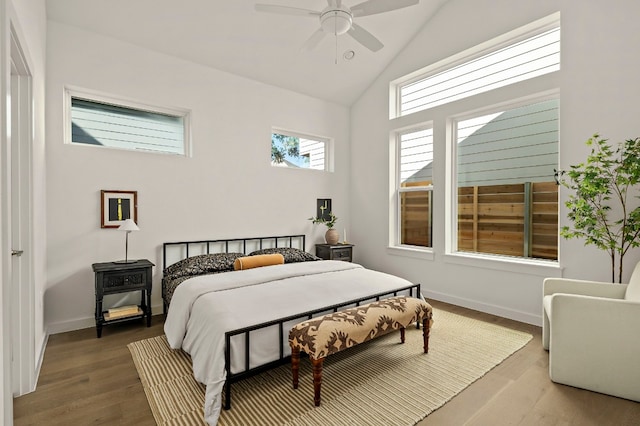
<point x="125" y="261"/>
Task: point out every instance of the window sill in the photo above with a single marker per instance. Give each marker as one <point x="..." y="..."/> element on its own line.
<point x="406" y="251"/>
<point x="543" y="268"/>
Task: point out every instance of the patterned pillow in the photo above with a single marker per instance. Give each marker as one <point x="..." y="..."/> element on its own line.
<point x="291" y="255"/>
<point x="202" y="264"/>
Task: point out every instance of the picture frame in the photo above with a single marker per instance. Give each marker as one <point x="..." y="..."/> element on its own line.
<point x="117" y="206"/>
<point x="323" y="208"/>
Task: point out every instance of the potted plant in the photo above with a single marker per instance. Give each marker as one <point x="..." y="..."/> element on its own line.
<point x="604" y="207"/>
<point x="331" y="236"/>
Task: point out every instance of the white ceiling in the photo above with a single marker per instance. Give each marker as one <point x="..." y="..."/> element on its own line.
<point x="231" y="36"/>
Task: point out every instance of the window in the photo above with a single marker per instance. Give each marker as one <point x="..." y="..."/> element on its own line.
<point x="298" y="151"/>
<point x="500" y="141"/>
<point x="507" y="198"/>
<point x="103" y="121"/>
<point x="523" y="60"/>
<point x="414" y="186"/>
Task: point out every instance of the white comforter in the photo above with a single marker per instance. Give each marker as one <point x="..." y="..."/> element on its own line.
<point x="203" y="308"/>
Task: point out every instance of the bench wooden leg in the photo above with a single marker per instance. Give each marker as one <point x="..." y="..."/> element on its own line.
<point x="401" y="334"/>
<point x="425" y="334"/>
<point x="317" y="379"/>
<point x="295" y="365"/>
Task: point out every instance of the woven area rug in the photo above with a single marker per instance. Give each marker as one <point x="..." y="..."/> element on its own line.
<point x="381" y="382"/>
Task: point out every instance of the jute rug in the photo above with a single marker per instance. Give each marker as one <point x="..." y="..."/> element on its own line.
<point x="381" y="382"/>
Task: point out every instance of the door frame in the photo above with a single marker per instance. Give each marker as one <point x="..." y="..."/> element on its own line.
<point x="21" y="218"/>
<point x="16" y="301"/>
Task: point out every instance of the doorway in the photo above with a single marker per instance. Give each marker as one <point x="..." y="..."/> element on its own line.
<point x="22" y="299"/>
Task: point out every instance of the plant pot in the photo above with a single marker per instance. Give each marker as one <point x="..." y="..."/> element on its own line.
<point x="331" y="236"/>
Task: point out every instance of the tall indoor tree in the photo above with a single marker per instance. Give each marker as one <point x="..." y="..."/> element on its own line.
<point x="604" y="206"/>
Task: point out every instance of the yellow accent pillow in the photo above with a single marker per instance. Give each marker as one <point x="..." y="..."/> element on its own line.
<point x="249" y="262"/>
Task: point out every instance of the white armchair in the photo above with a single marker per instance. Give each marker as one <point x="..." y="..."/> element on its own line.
<point x="592" y="332"/>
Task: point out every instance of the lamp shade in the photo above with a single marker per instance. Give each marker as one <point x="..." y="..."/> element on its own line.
<point x="128" y="225"/>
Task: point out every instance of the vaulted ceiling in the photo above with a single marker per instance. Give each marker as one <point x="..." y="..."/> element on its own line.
<point x="232" y="36"/>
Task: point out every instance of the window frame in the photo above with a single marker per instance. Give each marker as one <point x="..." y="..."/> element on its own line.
<point x="71" y="92"/>
<point x="445" y="167"/>
<point x="451" y="243"/>
<point x="395" y="214"/>
<point x="328" y="148"/>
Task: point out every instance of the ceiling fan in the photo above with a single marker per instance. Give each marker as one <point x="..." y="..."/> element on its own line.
<point x="337" y="19"/>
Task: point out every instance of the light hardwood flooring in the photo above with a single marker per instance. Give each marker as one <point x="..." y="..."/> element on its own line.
<point x="90" y="381"/>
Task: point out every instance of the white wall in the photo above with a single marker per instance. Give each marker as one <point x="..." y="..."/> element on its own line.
<point x="226" y="189"/>
<point x="599" y="88"/>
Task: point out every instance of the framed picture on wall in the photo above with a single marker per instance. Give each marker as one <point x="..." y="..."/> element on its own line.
<point x="323" y="208"/>
<point x="118" y="206"/>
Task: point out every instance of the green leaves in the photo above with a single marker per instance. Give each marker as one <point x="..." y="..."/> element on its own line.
<point x="329" y="222"/>
<point x="605" y="189"/>
<point x="283" y="146"/>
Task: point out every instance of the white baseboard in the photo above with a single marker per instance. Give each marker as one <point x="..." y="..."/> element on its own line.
<point x="80" y="323"/>
<point x="500" y="311"/>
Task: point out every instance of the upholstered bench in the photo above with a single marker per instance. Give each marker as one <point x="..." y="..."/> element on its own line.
<point x="328" y="334"/>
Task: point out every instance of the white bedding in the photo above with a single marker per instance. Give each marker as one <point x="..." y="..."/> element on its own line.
<point x="203" y="308"/>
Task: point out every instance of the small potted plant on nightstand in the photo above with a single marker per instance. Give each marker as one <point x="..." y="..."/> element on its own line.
<point x="331" y="236"/>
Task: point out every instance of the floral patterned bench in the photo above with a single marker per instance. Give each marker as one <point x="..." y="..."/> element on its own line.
<point x="328" y="334"/>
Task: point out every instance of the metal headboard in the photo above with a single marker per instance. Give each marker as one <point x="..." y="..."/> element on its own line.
<point x="186" y="249"/>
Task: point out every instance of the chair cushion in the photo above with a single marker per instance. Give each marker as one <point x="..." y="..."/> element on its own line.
<point x="546" y="303"/>
<point x="633" y="289"/>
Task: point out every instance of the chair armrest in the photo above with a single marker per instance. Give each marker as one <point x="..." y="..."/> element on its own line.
<point x="594" y="344"/>
<point x="582" y="287"/>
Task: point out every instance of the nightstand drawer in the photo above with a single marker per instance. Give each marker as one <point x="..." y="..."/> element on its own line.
<point x="342" y="254"/>
<point x="125" y="280"/>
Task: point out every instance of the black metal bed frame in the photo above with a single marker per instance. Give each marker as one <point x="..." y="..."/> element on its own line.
<point x="283" y="337"/>
<point x="226" y="242"/>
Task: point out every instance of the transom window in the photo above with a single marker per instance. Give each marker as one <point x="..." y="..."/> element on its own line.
<point x="109" y="122"/>
<point x="523" y="60"/>
<point x="295" y="150"/>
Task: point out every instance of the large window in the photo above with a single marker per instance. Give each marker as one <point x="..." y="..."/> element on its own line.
<point x="113" y="123"/>
<point x="414" y="186"/>
<point x="294" y="150"/>
<point x="507" y="198"/>
<point x="500" y="146"/>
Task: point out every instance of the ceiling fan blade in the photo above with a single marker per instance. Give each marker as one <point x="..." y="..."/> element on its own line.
<point x="371" y="7"/>
<point x="285" y="10"/>
<point x="313" y="41"/>
<point x="365" y="38"/>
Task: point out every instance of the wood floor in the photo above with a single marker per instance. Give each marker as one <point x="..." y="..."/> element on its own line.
<point x="90" y="381"/>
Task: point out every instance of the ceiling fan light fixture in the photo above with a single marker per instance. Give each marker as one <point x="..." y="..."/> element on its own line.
<point x="336" y="22"/>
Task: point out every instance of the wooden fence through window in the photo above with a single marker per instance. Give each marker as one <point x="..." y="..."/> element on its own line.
<point x="513" y="220"/>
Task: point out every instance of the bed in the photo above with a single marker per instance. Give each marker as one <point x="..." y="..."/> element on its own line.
<point x="235" y="323"/>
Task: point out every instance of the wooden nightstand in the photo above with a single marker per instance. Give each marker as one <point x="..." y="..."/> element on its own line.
<point x="335" y="251"/>
<point x="112" y="278"/>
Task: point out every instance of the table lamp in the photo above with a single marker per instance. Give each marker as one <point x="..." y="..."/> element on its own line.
<point x="128" y="225"/>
